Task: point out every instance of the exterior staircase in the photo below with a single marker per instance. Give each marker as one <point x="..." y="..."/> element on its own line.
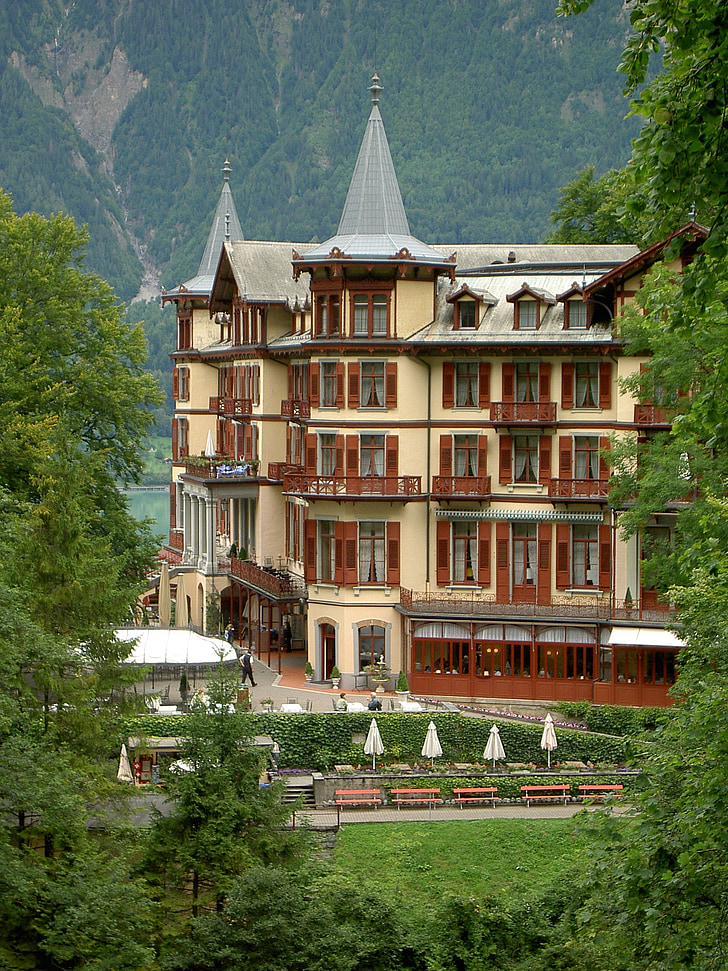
<point x="299" y="785"/>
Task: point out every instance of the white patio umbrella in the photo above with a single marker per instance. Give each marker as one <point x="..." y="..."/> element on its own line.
<point x="124" y="773"/>
<point x="432" y="748"/>
<point x="548" y="739"/>
<point x="210" y="450"/>
<point x="181" y="615"/>
<point x="374" y="745"/>
<point x="165" y="600"/>
<point x="494" y="749"/>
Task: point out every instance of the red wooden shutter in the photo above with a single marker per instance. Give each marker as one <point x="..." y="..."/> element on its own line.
<point x="353" y="384"/>
<point x="563" y="556"/>
<point x="484" y="385"/>
<point x="352" y="455"/>
<point x="340" y="378"/>
<point x="508" y="372"/>
<point x="339" y="459"/>
<point x="443" y="553"/>
<point x="309" y="564"/>
<point x="484" y="530"/>
<point x="603" y="458"/>
<point x="393" y="554"/>
<point x="289" y="456"/>
<point x="351" y="557"/>
<point x="339" y="554"/>
<point x="567" y="385"/>
<point x="445" y="454"/>
<point x="391" y="447"/>
<point x="543" y="590"/>
<point x="290" y="382"/>
<point x="502" y="563"/>
<point x="483" y="455"/>
<point x="605" y="385"/>
<point x="448" y="385"/>
<point x="505" y="453"/>
<point x="390" y="384"/>
<point x="314" y="384"/>
<point x="565" y="445"/>
<point x="605" y="558"/>
<point x="544" y="458"/>
<point x="172" y="505"/>
<point x="175" y="439"/>
<point x="311" y="454"/>
<point x="544" y="381"/>
<point x="175" y="384"/>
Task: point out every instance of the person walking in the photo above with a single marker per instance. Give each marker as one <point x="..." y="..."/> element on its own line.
<point x="247" y="662"/>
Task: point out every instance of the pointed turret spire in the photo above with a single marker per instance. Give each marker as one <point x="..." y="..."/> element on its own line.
<point x="225" y="226"/>
<point x="373" y="223"/>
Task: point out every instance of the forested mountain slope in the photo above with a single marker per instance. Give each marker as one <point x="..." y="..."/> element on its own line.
<point x="123" y="112"/>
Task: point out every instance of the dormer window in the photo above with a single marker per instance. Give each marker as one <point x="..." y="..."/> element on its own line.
<point x="467" y="303"/>
<point x="465" y="314"/>
<point x="575" y="315"/>
<point x="529" y="307"/>
<point x="526" y="315"/>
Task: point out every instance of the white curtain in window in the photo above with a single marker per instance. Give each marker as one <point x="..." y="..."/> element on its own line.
<point x="587" y="390"/>
<point x="379" y="391"/>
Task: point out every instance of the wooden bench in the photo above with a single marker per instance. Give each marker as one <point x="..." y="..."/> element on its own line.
<point x="592" y="793"/>
<point x="410" y="797"/>
<point x="358" y="797"/>
<point x="484" y="794"/>
<point x="553" y="793"/>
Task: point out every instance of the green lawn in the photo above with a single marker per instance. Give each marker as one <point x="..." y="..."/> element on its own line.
<point x="516" y="859"/>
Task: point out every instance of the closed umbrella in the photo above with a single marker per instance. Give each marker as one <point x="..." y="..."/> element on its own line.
<point x="548" y="739"/>
<point x="181" y="615"/>
<point x="374" y="745"/>
<point x="210" y="446"/>
<point x="494" y="749"/>
<point x="432" y="748"/>
<point x="124" y="773"/>
<point x="165" y="601"/>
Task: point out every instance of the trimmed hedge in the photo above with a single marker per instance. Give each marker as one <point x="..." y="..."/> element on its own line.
<point x="614" y="719"/>
<point x="319" y="741"/>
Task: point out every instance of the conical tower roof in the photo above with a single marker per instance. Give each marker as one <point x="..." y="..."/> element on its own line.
<point x="225" y="226"/>
<point x="373" y="224"/>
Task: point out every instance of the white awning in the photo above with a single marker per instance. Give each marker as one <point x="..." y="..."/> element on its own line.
<point x="643" y="637"/>
<point x="175" y="646"/>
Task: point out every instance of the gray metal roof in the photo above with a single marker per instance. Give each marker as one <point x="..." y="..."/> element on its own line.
<point x="374" y="223"/>
<point x="263" y="272"/>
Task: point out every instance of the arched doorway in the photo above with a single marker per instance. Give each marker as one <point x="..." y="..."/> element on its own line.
<point x="328" y="650"/>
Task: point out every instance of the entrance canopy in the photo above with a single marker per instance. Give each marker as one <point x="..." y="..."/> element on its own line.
<point x="160" y="646"/>
<point x="643" y="637"/>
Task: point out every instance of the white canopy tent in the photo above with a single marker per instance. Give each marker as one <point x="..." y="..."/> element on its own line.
<point x="174" y="646"/>
<point x="643" y="637"/>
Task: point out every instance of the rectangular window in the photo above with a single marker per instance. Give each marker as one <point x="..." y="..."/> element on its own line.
<point x="526" y="381"/>
<point x="524" y="554"/>
<point x="327" y="550"/>
<point x="586" y="384"/>
<point x="525" y="458"/>
<point x="372" y="564"/>
<point x="465" y="552"/>
<point x="370" y="315"/>
<point x="372" y="385"/>
<point x="184" y="333"/>
<point x="371" y="455"/>
<point x="299" y="381"/>
<point x="586" y="457"/>
<point x="183" y="384"/>
<point x="576" y="310"/>
<point x="467" y="316"/>
<point x="466" y="385"/>
<point x="527" y="315"/>
<point x="327" y="322"/>
<point x="328" y="384"/>
<point x="585" y="556"/>
<point x="466" y="455"/>
<point x="327" y="454"/>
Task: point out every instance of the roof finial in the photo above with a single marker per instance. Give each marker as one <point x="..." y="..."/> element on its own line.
<point x="693" y="213"/>
<point x="226" y="170"/>
<point x="227" y="225"/>
<point x="375" y="87"/>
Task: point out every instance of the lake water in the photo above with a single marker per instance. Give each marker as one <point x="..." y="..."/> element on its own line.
<point x="152" y="504"/>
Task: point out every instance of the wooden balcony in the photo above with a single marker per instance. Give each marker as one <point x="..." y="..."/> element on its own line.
<point x="231" y="407"/>
<point x="352" y="486"/>
<point x="651" y="416"/>
<point x="565" y="489"/>
<point x="295" y="408"/>
<point x="276" y="470"/>
<point x="202" y="468"/>
<point x="461" y="486"/>
<point x="278" y="584"/>
<point x="523" y="412"/>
